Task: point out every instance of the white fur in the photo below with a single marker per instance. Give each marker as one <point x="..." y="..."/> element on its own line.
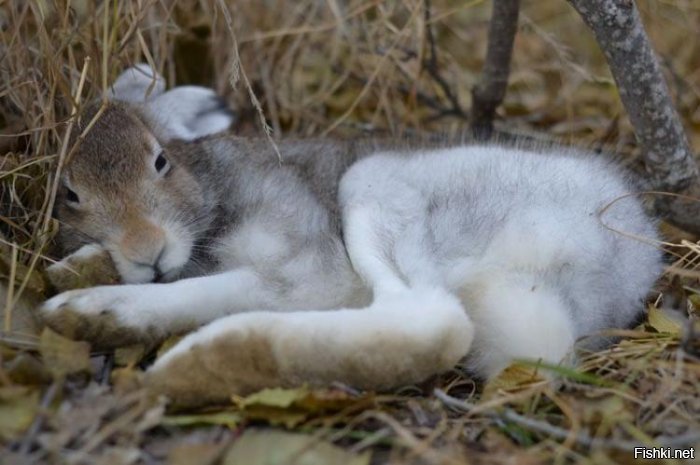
<point x="130" y="272"/>
<point x="168" y="307"/>
<point x="518" y="318"/>
<point x="178" y="247"/>
<point x="137" y="84"/>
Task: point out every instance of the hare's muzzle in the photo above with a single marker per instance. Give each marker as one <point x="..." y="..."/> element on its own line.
<point x="143" y="243"/>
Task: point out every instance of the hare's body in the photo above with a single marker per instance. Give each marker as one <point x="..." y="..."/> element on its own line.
<point x="344" y="262"/>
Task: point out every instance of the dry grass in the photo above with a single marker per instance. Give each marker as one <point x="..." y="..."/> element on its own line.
<point x="342" y="68"/>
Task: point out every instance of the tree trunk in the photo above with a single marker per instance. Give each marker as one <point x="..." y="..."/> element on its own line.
<point x="669" y="160"/>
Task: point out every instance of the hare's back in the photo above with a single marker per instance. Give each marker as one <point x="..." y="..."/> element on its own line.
<point x="447" y="214"/>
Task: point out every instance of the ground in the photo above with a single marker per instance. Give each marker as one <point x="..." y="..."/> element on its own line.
<point x="341" y="68"/>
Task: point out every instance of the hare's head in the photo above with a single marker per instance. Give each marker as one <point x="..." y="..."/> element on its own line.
<point x="122" y="188"/>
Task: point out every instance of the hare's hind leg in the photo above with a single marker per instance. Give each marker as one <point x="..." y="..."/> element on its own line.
<point x="406" y="335"/>
<point x="395" y="341"/>
<point x="517" y="317"/>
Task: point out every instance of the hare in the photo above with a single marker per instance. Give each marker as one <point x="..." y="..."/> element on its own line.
<point x="346" y="261"/>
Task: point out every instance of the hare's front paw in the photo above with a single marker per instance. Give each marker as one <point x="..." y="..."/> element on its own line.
<point x="106" y="316"/>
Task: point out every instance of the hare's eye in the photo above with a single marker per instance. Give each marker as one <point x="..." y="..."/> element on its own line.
<point x="71" y="196"/>
<point x="161" y="163"/>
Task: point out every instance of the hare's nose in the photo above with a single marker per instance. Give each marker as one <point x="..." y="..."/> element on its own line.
<point x="143" y="245"/>
<point x="152" y="258"/>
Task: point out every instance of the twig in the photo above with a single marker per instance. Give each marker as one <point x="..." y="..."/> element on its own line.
<point x="107" y="366"/>
<point x="38" y="422"/>
<point x="489" y="91"/>
<point x="441" y="111"/>
<point x="421" y="448"/>
<point x="9" y="304"/>
<point x="238" y="72"/>
<point x="452" y="402"/>
<point x="684" y="440"/>
<point x="431" y="66"/>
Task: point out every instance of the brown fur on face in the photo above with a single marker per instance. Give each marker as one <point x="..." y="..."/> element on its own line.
<point x="141" y="240"/>
<point x="124" y="203"/>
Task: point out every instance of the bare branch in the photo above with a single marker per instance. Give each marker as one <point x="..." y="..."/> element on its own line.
<point x="667" y="155"/>
<point x="488" y="93"/>
<point x="431" y="65"/>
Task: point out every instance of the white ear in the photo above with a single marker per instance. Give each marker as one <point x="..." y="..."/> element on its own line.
<point x="188" y="113"/>
<point x="137" y="84"/>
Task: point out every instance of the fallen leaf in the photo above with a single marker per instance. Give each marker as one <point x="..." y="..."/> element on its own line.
<point x="18" y="406"/>
<point x="125" y="380"/>
<point x="63" y="356"/>
<point x="603" y="413"/>
<point x="289" y="417"/>
<point x="515" y="377"/>
<point x="129" y="356"/>
<point x="333" y="399"/>
<point x="310" y="400"/>
<point x="201" y="454"/>
<point x="168" y="344"/>
<point x="662" y="322"/>
<point x="276" y="406"/>
<point x="695" y="300"/>
<point x="226" y="418"/>
<point x="290" y="407"/>
<point x="118" y="456"/>
<point x="26" y="369"/>
<point x="254" y="448"/>
<point x="276" y="397"/>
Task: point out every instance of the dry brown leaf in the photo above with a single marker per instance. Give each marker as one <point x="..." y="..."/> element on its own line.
<point x="226" y="418"/>
<point x="129" y="356"/>
<point x="18" y="406"/>
<point x="201" y="454"/>
<point x="274" y="397"/>
<point x="515" y="377"/>
<point x="168" y="344"/>
<point x="254" y="448"/>
<point x="63" y="356"/>
<point x="126" y="379"/>
<point x="662" y="322"/>
<point x="601" y="413"/>
<point x="26" y="369"/>
<point x="290" y="407"/>
<point x="119" y="456"/>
